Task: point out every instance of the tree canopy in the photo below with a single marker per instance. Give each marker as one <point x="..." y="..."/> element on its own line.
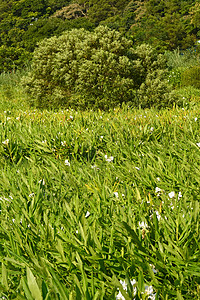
<point x="165" y="24"/>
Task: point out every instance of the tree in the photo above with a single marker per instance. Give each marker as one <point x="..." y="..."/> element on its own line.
<point x="163" y="24"/>
<point x="96" y="69"/>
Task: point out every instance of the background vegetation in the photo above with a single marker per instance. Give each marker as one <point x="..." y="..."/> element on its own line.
<point x="165" y="25"/>
<point x="99" y="198"/>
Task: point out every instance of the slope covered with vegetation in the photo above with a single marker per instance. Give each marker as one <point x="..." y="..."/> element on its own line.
<point x="166" y="25"/>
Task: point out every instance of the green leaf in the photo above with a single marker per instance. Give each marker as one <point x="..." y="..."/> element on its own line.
<point x="33" y="286"/>
<point x="179" y="296"/>
<point x="26" y="289"/>
<point x="141" y="281"/>
<point x="4" y="276"/>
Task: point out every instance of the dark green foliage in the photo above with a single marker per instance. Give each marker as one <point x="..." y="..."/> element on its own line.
<point x="191" y="77"/>
<point x="17" y="39"/>
<point x="165" y="25"/>
<point x="96" y="69"/>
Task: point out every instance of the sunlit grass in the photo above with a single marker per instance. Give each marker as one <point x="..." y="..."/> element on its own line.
<point x="99" y="205"/>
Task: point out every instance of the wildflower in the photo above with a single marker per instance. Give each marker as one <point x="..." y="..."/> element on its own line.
<point x="6" y="142"/>
<point x="101" y="137"/>
<point x="13" y="220"/>
<point x="158" y="215"/>
<point x="116" y="194"/>
<point x="42" y="181"/>
<point x="87" y="214"/>
<point x="198" y="144"/>
<point x="158" y="178"/>
<point x="120" y="296"/>
<point x="195" y="119"/>
<point x="109" y="159"/>
<point x="31" y="195"/>
<point x="179" y="195"/>
<point x="63" y="143"/>
<point x="153" y="269"/>
<point x="71" y="117"/>
<point x="143" y="225"/>
<point x="149" y="290"/>
<point x="152" y="129"/>
<point x="137" y="168"/>
<point x="158" y="191"/>
<point x="67" y="163"/>
<point x="171" y="195"/>
<point x="124" y="285"/>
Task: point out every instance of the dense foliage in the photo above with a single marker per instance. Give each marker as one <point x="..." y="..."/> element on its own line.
<point x="164" y="24"/>
<point x="99" y="205"/>
<point x="96" y="69"/>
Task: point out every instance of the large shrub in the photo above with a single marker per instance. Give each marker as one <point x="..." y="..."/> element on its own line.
<point x="95" y="69"/>
<point x="191" y="77"/>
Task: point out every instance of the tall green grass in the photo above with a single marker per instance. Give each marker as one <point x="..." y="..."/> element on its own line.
<point x="99" y="205"/>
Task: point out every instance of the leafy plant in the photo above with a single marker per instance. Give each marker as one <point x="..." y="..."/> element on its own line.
<point x="96" y="69"/>
<point x="191" y="77"/>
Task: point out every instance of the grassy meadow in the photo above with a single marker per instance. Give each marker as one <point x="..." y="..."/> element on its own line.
<point x="98" y="205"/>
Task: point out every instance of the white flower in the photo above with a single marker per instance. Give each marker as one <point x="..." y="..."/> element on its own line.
<point x="152" y="129"/>
<point x="137" y="168"/>
<point x="41" y="181"/>
<point x="198" y="144"/>
<point x="87" y="214"/>
<point x="158" y="178"/>
<point x="143" y="225"/>
<point x="116" y="194"/>
<point x="195" y="119"/>
<point x="149" y="290"/>
<point x="158" y="191"/>
<point x="63" y="143"/>
<point x="5" y="142"/>
<point x="71" y="117"/>
<point x="109" y="159"/>
<point x="120" y="296"/>
<point x="171" y="195"/>
<point x="158" y="215"/>
<point x="67" y="163"/>
<point x="31" y="195"/>
<point x="179" y="195"/>
<point x="124" y="285"/>
<point x="101" y="137"/>
<point x="153" y="269"/>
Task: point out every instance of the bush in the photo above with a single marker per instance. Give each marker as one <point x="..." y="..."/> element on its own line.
<point x="191" y="77"/>
<point x="96" y="69"/>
